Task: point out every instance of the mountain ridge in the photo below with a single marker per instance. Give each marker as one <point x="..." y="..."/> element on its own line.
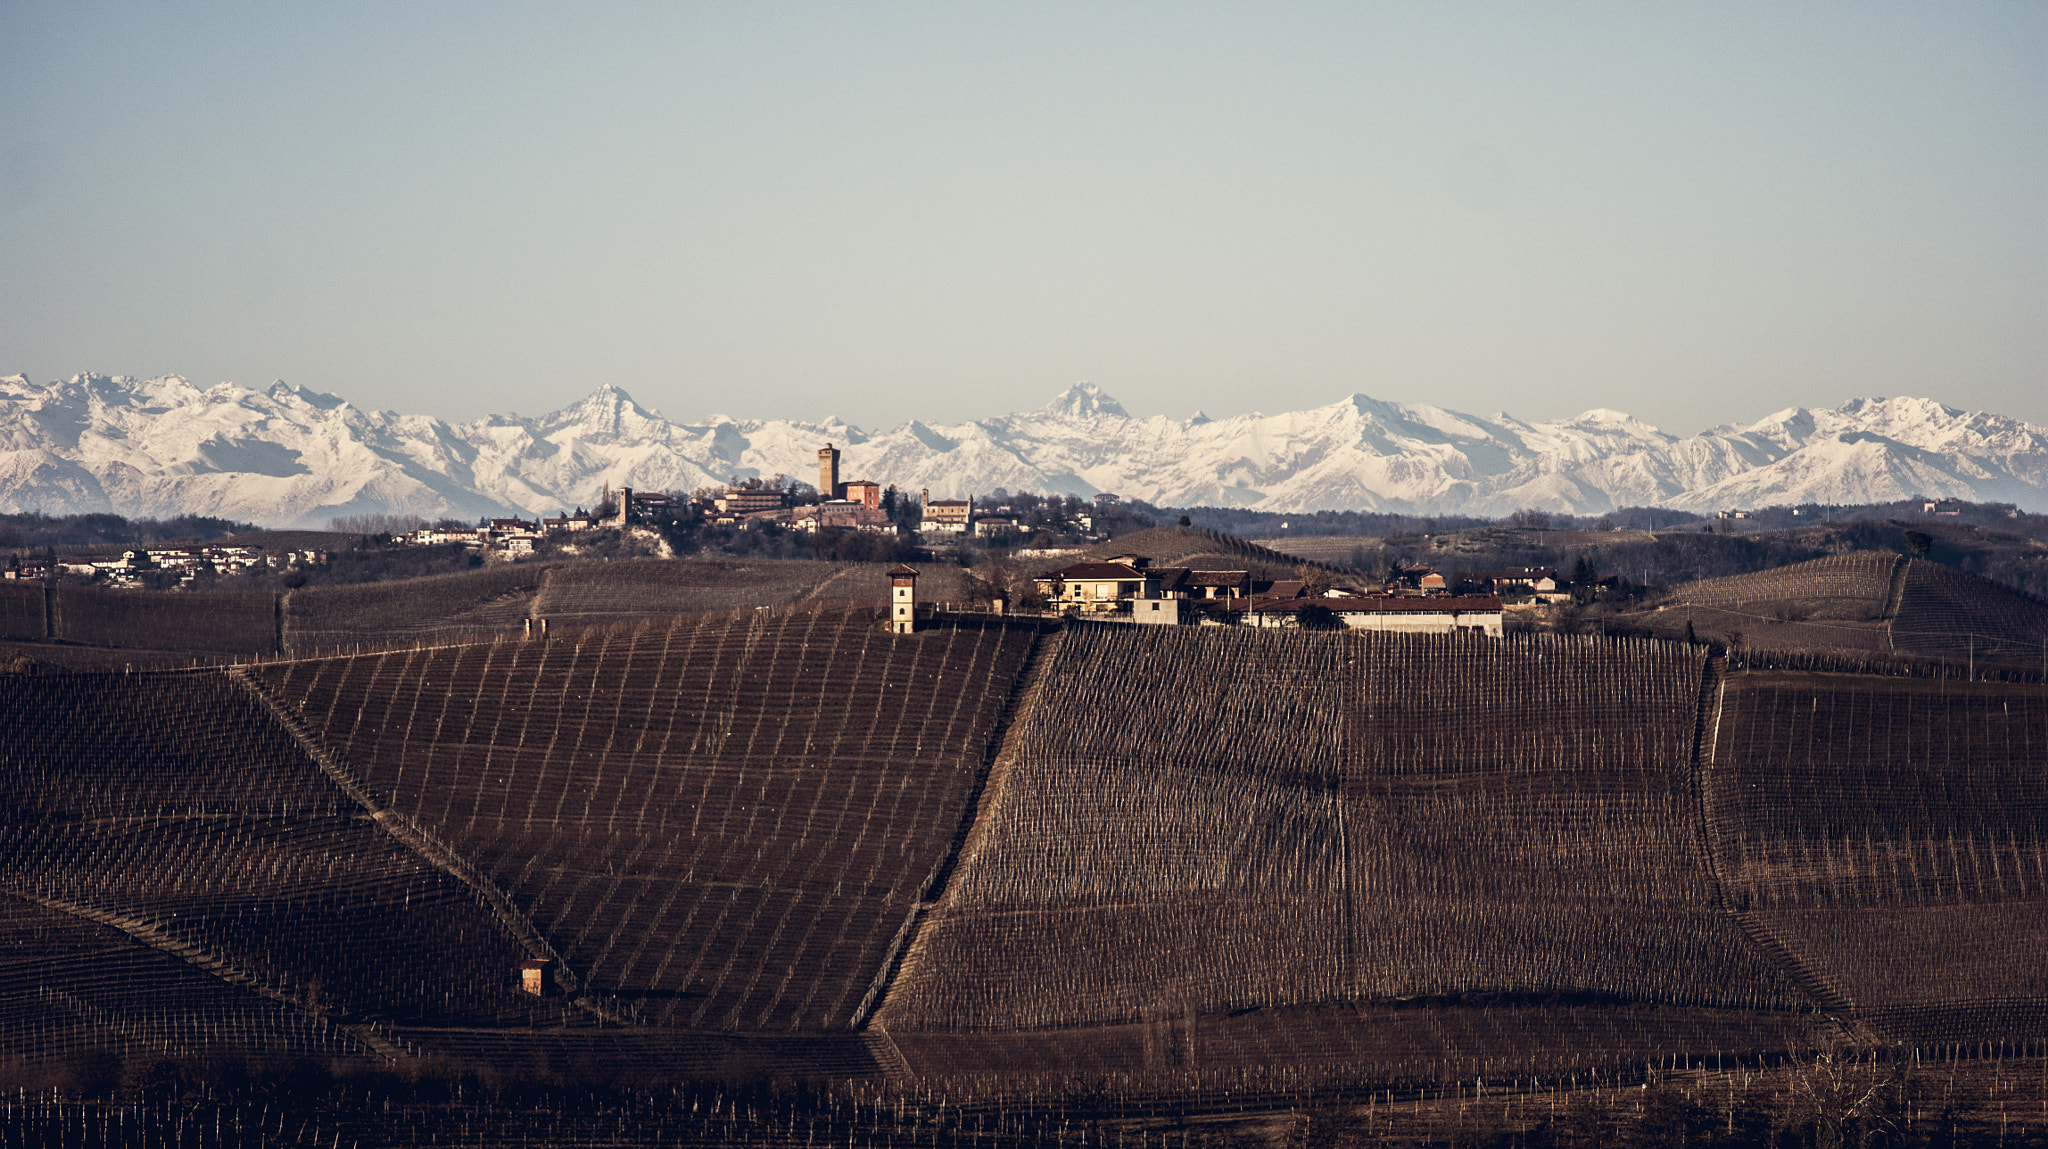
<point x="288" y="455"/>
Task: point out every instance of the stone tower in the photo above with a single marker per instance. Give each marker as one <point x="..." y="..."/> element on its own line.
<point x="828" y="472"/>
<point x="902" y="599"/>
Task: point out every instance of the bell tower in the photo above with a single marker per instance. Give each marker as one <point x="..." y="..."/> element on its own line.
<point x="828" y="472"/>
<point x="902" y="599"/>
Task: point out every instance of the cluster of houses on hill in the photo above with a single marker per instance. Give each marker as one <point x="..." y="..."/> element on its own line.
<point x="1129" y="588"/>
<point x="188" y="563"/>
<point x="839" y="504"/>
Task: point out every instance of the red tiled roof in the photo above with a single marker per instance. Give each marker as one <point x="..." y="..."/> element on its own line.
<point x="1095" y="572"/>
<point x="1385" y="604"/>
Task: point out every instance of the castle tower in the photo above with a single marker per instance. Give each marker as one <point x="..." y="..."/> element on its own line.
<point x="828" y="473"/>
<point x="902" y="599"/>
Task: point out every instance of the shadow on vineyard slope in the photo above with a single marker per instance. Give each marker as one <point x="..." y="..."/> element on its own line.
<point x="163" y="829"/>
<point x="720" y="823"/>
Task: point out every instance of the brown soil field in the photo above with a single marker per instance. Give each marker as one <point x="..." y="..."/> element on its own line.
<point x="1029" y="861"/>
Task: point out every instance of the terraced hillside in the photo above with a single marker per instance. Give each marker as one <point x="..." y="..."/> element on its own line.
<point x="718" y="823"/>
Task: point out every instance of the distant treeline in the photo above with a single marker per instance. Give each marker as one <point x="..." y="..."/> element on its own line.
<point x="1295" y="524"/>
<point x="1271" y="525"/>
<point x="30" y="529"/>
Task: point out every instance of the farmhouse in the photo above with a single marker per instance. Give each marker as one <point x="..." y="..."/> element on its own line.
<point x="1110" y="587"/>
<point x="1129" y="588"/>
<point x="1216" y="584"/>
<point x="842" y="515"/>
<point x="1514" y="578"/>
<point x="1432" y="614"/>
<point x="580" y="521"/>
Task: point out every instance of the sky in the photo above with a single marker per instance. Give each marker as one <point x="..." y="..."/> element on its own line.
<point x="1698" y="213"/>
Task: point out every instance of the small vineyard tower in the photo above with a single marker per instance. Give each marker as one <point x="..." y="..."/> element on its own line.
<point x="902" y="599"/>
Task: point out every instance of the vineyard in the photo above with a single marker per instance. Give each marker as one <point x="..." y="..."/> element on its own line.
<point x="21" y="610"/>
<point x="1523" y="821"/>
<point x="77" y="988"/>
<point x="1946" y="613"/>
<point x="168" y="808"/>
<point x="1121" y="824"/>
<point x="1018" y="862"/>
<point x="439" y="608"/>
<point x="718" y="823"/>
<point x="1888" y="832"/>
<point x="1420" y="817"/>
<point x="473" y="606"/>
<point x="1166" y="546"/>
<point x="637" y="588"/>
<point x="212" y="622"/>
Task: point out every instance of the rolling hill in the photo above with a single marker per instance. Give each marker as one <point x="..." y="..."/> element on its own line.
<point x="1872" y="602"/>
<point x="1023" y="860"/>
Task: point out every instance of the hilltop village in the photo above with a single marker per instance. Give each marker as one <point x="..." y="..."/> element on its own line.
<point x="780" y="503"/>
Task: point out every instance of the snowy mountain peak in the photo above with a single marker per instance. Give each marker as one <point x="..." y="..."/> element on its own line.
<point x="1084" y="400"/>
<point x="289" y="455"/>
<point x="1605" y="415"/>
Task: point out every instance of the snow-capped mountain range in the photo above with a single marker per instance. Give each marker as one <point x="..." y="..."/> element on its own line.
<point x="288" y="456"/>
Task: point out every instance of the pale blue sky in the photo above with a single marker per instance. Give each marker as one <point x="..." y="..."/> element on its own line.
<point x="1692" y="212"/>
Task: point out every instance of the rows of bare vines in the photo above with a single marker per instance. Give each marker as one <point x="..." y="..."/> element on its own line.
<point x="1893" y="834"/>
<point x="1172" y="798"/>
<point x="638" y="588"/>
<point x="21" y="610"/>
<point x="1405" y="1046"/>
<point x="75" y="987"/>
<point x="718" y="821"/>
<point x="469" y="607"/>
<point x="1948" y="613"/>
<point x="1218" y="820"/>
<point x="1836" y="791"/>
<point x="1522" y="820"/>
<point x="440" y="607"/>
<point x="1856" y="585"/>
<point x="172" y="808"/>
<point x="218" y="622"/>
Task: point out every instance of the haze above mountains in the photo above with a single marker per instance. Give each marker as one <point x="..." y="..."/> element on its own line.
<point x="289" y="456"/>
